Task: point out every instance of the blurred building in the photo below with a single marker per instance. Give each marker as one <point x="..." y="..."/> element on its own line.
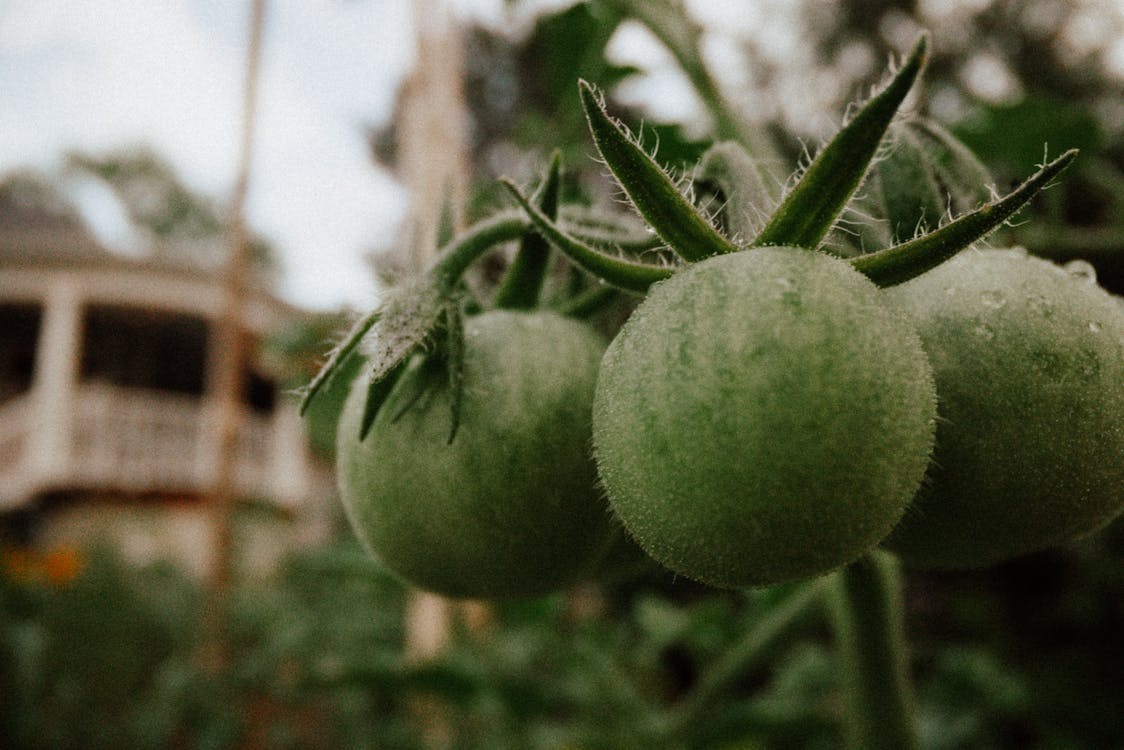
<point x="107" y="418"/>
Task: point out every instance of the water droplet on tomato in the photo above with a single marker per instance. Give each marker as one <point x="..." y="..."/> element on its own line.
<point x="1081" y="270"/>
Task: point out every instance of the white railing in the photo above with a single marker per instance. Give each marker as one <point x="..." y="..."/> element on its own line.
<point x="131" y="440"/>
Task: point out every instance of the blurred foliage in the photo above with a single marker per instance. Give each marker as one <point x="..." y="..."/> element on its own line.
<point x="176" y="221"/>
<point x="1025" y="655"/>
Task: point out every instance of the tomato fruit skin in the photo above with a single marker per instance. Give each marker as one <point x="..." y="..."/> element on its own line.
<point x="511" y="507"/>
<point x="1029" y="363"/>
<point x="763" y="416"/>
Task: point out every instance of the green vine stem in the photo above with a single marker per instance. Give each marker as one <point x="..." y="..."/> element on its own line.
<point x="865" y="603"/>
<point x="755" y="647"/>
<point x="524" y="280"/>
<point x="459" y="254"/>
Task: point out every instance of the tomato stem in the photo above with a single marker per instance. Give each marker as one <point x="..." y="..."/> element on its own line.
<point x="588" y="302"/>
<point x="809" y="211"/>
<point x="865" y="604"/>
<point x="524" y="279"/>
<point x="458" y="255"/>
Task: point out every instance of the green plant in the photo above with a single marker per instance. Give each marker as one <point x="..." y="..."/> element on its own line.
<point x="766" y="414"/>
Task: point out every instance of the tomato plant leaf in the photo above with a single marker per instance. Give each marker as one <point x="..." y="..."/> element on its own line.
<point x="338" y="356"/>
<point x="524" y="279"/>
<point x="649" y="187"/>
<point x="903" y="262"/>
<point x="809" y="211"/>
<point x="631" y="276"/>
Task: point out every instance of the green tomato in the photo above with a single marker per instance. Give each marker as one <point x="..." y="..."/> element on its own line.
<point x="763" y="416"/>
<point x="1029" y="364"/>
<point x="511" y="507"/>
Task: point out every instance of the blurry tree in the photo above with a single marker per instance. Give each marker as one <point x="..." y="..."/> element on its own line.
<point x="176" y="222"/>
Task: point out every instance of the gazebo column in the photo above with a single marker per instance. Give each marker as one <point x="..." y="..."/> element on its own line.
<point x="55" y="380"/>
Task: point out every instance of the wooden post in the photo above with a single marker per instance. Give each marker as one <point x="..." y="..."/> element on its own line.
<point x="228" y="372"/>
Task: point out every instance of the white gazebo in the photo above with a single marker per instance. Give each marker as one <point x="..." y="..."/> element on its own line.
<point x="107" y="418"/>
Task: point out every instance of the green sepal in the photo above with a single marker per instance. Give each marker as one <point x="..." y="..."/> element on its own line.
<point x="338" y="356"/>
<point x="670" y="22"/>
<point x="909" y="196"/>
<point x="410" y="314"/>
<point x="600" y="227"/>
<point x="631" y="276"/>
<point x="908" y="260"/>
<point x="523" y="281"/>
<point x="732" y="178"/>
<point x="420" y="372"/>
<point x="377" y="393"/>
<point x="454" y="365"/>
<point x="649" y="187"/>
<point x="810" y="210"/>
<point x="961" y="174"/>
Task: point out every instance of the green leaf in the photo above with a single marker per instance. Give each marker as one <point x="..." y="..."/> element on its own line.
<point x="811" y="208"/>
<point x="524" y="279"/>
<point x="624" y="274"/>
<point x="649" y="188"/>
<point x="903" y="262"/>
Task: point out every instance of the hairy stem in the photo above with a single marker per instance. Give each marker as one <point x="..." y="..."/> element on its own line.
<point x="865" y="605"/>
<point x="524" y="279"/>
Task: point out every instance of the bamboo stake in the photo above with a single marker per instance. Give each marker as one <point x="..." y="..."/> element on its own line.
<point x="230" y="353"/>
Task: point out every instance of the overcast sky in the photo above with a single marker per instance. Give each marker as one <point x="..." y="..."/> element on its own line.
<point x="97" y="75"/>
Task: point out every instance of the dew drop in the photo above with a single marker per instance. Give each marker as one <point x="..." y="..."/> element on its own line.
<point x="950" y="290"/>
<point x="1043" y="305"/>
<point x="993" y="299"/>
<point x="1094" y="326"/>
<point x="1081" y="270"/>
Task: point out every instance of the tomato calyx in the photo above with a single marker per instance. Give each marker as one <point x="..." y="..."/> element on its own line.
<point x="809" y="210"/>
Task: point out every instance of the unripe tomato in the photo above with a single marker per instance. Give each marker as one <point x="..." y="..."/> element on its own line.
<point x="1029" y="364"/>
<point x="763" y="416"/>
<point x="511" y="507"/>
